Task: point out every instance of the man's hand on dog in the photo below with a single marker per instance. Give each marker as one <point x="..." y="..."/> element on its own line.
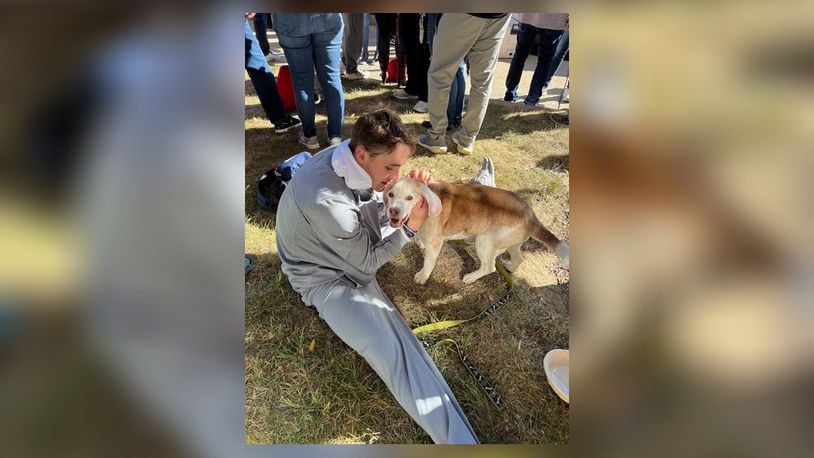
<point x="421" y="210"/>
<point x="421" y="175"/>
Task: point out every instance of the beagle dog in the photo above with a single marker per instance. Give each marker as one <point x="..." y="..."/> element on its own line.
<point x="497" y="219"/>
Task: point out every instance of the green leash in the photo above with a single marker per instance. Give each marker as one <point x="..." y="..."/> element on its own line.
<point x="483" y="382"/>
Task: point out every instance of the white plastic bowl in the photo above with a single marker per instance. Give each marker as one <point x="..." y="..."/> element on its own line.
<point x="556" y="364"/>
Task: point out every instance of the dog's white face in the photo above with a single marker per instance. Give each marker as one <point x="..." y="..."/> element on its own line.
<point x="400" y="198"/>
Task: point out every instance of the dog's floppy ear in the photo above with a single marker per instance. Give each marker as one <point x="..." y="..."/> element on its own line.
<point x="433" y="202"/>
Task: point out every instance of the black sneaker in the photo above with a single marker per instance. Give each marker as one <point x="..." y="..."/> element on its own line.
<point x="286" y="125"/>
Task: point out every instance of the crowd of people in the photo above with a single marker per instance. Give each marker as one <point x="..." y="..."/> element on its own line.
<point x="322" y="49"/>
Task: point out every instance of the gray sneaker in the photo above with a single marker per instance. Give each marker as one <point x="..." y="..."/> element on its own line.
<point x="355" y="75"/>
<point x="486" y="174"/>
<point x="435" y="146"/>
<point x="309" y="142"/>
<point x="463" y="148"/>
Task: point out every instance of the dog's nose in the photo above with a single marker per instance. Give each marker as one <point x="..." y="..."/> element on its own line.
<point x="393" y="212"/>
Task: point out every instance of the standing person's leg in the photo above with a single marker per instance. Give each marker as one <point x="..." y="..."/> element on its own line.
<point x="559" y="55"/>
<point x="352" y="43"/>
<point x="375" y="40"/>
<point x="264" y="84"/>
<point x="409" y="38"/>
<point x="386" y="26"/>
<point x="365" y="38"/>
<point x="326" y="57"/>
<point x="525" y="39"/>
<point x="299" y="54"/>
<point x="458" y="102"/>
<point x="545" y="59"/>
<point x="482" y="60"/>
<point x="431" y="27"/>
<point x="366" y="320"/>
<point x="261" y="32"/>
<point x="454" y="37"/>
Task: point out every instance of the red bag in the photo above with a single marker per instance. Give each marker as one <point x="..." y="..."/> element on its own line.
<point x="392" y="71"/>
<point x="286" y="88"/>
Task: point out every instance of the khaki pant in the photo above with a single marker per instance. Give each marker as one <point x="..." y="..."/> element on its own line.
<point x="457" y="36"/>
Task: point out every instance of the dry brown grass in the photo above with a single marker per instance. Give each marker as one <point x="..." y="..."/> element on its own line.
<point x="330" y="395"/>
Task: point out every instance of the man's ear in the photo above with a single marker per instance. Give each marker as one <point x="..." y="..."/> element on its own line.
<point x="433" y="202"/>
<point x="360" y="154"/>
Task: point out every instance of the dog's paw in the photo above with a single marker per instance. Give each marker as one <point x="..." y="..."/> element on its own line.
<point x="420" y="278"/>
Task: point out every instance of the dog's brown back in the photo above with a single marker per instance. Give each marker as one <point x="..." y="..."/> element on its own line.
<point x="475" y="209"/>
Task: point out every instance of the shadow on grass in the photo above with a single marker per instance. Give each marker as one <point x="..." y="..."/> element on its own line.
<point x="556" y="162"/>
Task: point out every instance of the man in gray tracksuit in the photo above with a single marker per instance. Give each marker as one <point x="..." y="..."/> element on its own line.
<point x="330" y="242"/>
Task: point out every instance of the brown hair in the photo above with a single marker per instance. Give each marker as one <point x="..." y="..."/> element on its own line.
<point x="380" y="132"/>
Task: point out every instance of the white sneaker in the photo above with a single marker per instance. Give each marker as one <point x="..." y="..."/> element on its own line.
<point x="335" y="141"/>
<point x="401" y="94"/>
<point x="356" y="75"/>
<point x="486" y="174"/>
<point x="421" y="107"/>
<point x="309" y="142"/>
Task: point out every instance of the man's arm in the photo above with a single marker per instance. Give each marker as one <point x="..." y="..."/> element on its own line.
<point x="338" y="225"/>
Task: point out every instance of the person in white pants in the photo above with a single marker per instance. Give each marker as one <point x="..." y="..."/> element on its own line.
<point x="478" y="36"/>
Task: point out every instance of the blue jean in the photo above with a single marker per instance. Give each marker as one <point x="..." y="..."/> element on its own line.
<point x="456" y="97"/>
<point x="319" y="50"/>
<point x="365" y="38"/>
<point x="262" y="79"/>
<point x="553" y="45"/>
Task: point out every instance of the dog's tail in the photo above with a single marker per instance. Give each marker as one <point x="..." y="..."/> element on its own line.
<point x="551" y="241"/>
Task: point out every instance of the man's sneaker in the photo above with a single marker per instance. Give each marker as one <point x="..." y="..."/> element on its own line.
<point x="435" y="146"/>
<point x="356" y="75"/>
<point x="309" y="142"/>
<point x="401" y="94"/>
<point x="335" y="141"/>
<point x="463" y="148"/>
<point x="511" y="99"/>
<point x="286" y="125"/>
<point x="421" y="107"/>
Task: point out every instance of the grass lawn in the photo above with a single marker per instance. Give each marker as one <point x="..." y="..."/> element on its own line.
<point x="304" y="385"/>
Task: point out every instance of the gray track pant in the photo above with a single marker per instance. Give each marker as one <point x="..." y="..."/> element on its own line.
<point x="459" y="35"/>
<point x="366" y="320"/>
